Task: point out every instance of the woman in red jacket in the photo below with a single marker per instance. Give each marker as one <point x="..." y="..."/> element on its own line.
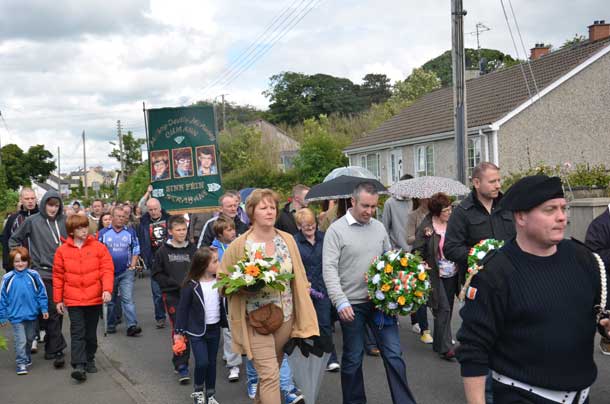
<point x="83" y="278"/>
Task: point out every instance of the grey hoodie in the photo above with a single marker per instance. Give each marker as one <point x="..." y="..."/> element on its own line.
<point x="45" y="235"/>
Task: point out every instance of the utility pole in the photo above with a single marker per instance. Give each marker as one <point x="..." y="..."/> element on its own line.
<point x="121" y="155"/>
<point x="459" y="87"/>
<point x="58" y="164"/>
<point x="85" y="166"/>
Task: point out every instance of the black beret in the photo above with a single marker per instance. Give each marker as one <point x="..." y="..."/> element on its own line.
<point x="529" y="192"/>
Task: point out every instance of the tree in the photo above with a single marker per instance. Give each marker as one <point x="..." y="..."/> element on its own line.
<point x="576" y="39"/>
<point x="443" y="67"/>
<point x="233" y="112"/>
<point x="320" y="152"/>
<point x="135" y="186"/>
<point x="295" y="97"/>
<point x="376" y="88"/>
<point x="39" y="163"/>
<point x="22" y="168"/>
<point x="417" y="84"/>
<point x="132" y="152"/>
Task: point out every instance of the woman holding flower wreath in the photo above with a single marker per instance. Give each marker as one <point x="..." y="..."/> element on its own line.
<point x="429" y="241"/>
<point x="265" y="346"/>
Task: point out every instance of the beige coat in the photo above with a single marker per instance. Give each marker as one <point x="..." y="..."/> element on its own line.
<point x="305" y="322"/>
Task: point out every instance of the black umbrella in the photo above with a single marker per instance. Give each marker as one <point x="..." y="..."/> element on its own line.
<point x="340" y="187"/>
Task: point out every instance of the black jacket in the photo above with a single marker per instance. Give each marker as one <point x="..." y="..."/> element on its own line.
<point x="190" y="316"/>
<point x="311" y="255"/>
<point x="171" y="264"/>
<point x="470" y="223"/>
<point x="12" y="223"/>
<point x="428" y="248"/>
<point x="146" y="249"/>
<point x="598" y="236"/>
<point x="208" y="234"/>
<point x="286" y="221"/>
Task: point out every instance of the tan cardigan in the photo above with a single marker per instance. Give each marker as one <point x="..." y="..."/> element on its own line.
<point x="305" y="321"/>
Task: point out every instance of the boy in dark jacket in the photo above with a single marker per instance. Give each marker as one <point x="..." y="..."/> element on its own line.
<point x="171" y="264"/>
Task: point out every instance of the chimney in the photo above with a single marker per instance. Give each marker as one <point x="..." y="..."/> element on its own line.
<point x="539" y="50"/>
<point x="599" y="30"/>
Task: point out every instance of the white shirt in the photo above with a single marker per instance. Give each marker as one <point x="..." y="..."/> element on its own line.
<point x="211" y="301"/>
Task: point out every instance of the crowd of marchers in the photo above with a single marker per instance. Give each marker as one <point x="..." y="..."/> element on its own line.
<point x="81" y="262"/>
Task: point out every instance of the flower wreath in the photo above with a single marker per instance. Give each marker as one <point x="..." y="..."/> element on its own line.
<point x="475" y="255"/>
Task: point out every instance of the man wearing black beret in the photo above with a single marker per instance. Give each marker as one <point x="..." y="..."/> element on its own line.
<point x="529" y="316"/>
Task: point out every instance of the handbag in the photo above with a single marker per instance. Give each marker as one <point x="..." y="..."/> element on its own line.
<point x="266" y="319"/>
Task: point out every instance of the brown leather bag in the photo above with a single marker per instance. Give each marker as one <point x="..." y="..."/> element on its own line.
<point x="266" y="319"/>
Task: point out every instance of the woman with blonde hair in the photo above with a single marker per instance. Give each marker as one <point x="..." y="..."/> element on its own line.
<point x="299" y="318"/>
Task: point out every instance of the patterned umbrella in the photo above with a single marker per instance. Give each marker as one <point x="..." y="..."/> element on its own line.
<point x="352" y="171"/>
<point x="339" y="188"/>
<point x="425" y="187"/>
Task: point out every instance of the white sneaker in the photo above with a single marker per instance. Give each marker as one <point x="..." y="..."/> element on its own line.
<point x="34" y="346"/>
<point x="212" y="400"/>
<point x="234" y="374"/>
<point x="416" y="329"/>
<point x="333" y="367"/>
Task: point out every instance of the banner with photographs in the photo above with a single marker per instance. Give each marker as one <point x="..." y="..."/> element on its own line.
<point x="183" y="157"/>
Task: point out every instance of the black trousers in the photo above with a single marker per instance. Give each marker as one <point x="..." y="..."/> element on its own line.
<point x="83" y="333"/>
<point x="170" y="301"/>
<point x="54" y="341"/>
<point x="504" y="394"/>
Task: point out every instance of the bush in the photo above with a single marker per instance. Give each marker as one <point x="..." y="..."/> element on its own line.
<point x="580" y="176"/>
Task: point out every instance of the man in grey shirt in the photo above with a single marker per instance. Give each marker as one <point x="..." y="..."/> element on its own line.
<point x="350" y="244"/>
<point x="394" y="218"/>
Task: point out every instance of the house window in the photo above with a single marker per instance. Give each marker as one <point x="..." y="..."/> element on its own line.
<point x="395" y="166"/>
<point x="424" y="160"/>
<point x="372" y="164"/>
<point x="474" y="153"/>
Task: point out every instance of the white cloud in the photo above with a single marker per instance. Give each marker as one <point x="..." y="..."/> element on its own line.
<point x="71" y="65"/>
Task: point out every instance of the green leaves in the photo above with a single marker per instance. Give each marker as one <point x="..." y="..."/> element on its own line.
<point x="3" y="343"/>
<point x="23" y="167"/>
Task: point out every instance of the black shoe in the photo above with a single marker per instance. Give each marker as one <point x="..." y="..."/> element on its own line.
<point x="90" y="367"/>
<point x="79" y="373"/>
<point x="59" y="361"/>
<point x="49" y="356"/>
<point x="111" y="331"/>
<point x="133" y="331"/>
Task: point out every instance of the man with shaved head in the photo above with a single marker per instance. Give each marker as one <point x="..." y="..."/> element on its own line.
<point x="152" y="233"/>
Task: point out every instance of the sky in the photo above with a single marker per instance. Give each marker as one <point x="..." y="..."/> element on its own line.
<point x="69" y="66"/>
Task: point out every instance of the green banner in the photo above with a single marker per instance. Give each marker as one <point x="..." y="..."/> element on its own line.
<point x="183" y="158"/>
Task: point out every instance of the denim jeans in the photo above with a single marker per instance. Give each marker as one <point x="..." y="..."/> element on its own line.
<point x="286" y="382"/>
<point x="157" y="296"/>
<point x="123" y="285"/>
<point x="205" y="350"/>
<point x="324" y="310"/>
<point x="421" y="316"/>
<point x="24" y="335"/>
<point x="388" y="342"/>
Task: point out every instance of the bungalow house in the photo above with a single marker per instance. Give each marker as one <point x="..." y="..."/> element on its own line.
<point x="553" y="109"/>
<point x="282" y="144"/>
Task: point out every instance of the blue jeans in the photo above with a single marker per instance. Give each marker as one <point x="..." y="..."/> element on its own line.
<point x="286" y="382"/>
<point x="421" y="316"/>
<point x="205" y="350"/>
<point x="388" y="342"/>
<point x="123" y="284"/>
<point x="24" y="335"/>
<point x="323" y="310"/>
<point x="157" y="296"/>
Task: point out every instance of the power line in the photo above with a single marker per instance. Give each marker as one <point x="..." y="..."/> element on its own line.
<point x="516" y="49"/>
<point x="529" y="65"/>
<point x="293" y="22"/>
<point x="277" y="36"/>
<point x="254" y="44"/>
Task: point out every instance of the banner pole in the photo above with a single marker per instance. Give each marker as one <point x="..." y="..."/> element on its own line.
<point x="146" y="130"/>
